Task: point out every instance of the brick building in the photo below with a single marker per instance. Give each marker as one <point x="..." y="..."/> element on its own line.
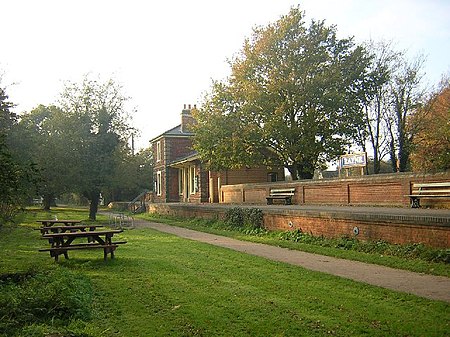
<point x="180" y="176"/>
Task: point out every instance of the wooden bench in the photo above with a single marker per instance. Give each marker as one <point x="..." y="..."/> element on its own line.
<point x="428" y="191"/>
<point x="285" y="194"/>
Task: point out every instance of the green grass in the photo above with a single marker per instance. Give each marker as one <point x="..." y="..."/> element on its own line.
<point x="416" y="258"/>
<point x="162" y="285"/>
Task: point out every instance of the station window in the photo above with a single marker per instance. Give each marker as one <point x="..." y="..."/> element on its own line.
<point x="158" y="183"/>
<point x="158" y="151"/>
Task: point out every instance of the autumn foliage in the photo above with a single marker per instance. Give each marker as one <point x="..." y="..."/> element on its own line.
<point x="431" y="151"/>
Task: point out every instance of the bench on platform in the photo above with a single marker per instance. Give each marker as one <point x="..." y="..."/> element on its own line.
<point x="284" y="194"/>
<point x="428" y="191"/>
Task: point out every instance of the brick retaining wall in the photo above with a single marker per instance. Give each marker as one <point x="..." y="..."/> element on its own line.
<point x="394" y="227"/>
<point x="370" y="227"/>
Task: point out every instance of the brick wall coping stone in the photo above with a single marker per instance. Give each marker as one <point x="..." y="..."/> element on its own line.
<point x="369" y="179"/>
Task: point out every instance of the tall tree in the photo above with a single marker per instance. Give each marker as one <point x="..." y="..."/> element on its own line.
<point x="7" y="117"/>
<point x="9" y="182"/>
<point x="41" y="139"/>
<point x="131" y="177"/>
<point x="291" y="99"/>
<point x="8" y="169"/>
<point x="407" y="96"/>
<point x="97" y="129"/>
<point x="431" y="144"/>
<point x="377" y="101"/>
<point x="15" y="179"/>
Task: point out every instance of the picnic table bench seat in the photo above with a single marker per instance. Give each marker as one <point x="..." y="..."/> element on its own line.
<point x="284" y="194"/>
<point x="88" y="244"/>
<point x="107" y="249"/>
<point x="428" y="191"/>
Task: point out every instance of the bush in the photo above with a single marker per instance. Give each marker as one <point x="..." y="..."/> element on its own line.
<point x="234" y="217"/>
<point x="411" y="251"/>
<point x="32" y="298"/>
<point x="244" y="218"/>
<point x="295" y="235"/>
<point x="253" y="218"/>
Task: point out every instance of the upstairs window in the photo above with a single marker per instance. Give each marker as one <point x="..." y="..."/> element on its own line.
<point x="158" y="151"/>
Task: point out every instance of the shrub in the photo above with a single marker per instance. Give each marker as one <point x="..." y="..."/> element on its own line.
<point x="346" y="243"/>
<point x="43" y="297"/>
<point x="295" y="235"/>
<point x="411" y="251"/>
<point x="253" y="218"/>
<point x="234" y="217"/>
<point x="246" y="218"/>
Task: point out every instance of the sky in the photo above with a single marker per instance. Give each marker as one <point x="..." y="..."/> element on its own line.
<point x="165" y="54"/>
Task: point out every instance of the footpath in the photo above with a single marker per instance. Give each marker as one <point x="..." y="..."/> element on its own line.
<point x="427" y="286"/>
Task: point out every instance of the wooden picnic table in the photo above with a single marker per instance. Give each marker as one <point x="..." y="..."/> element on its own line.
<point x="52" y="222"/>
<point x="63" y="229"/>
<point x="62" y="242"/>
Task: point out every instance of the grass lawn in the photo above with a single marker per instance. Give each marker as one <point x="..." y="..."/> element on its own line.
<point x="416" y="257"/>
<point x="162" y="285"/>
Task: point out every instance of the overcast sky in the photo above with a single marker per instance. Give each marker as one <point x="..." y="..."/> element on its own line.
<point x="165" y="53"/>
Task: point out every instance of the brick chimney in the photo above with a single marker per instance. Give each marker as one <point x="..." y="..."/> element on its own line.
<point x="187" y="120"/>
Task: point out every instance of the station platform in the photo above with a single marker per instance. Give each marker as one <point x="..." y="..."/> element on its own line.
<point x="392" y="224"/>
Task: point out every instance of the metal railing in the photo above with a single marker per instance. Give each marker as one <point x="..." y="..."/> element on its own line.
<point x="140" y="200"/>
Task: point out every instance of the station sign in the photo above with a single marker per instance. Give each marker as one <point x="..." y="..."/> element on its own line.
<point x="353" y="160"/>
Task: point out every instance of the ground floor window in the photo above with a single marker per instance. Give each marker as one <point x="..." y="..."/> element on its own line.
<point x="180" y="181"/>
<point x="192" y="179"/>
<point x="158" y="183"/>
<point x="272" y="177"/>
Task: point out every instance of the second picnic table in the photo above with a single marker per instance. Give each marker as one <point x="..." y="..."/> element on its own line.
<point x="51" y="222"/>
<point x="61" y="237"/>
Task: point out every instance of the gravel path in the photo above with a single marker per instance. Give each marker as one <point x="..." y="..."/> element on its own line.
<point x="428" y="286"/>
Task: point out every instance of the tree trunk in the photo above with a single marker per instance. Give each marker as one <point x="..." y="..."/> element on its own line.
<point x="47" y="201"/>
<point x="306" y="175"/>
<point x="293" y="171"/>
<point x="366" y="168"/>
<point x="304" y="170"/>
<point x="393" y="157"/>
<point x="376" y="162"/>
<point x="93" y="206"/>
<point x="403" y="155"/>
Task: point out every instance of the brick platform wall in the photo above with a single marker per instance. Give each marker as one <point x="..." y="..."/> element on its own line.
<point x="376" y="190"/>
<point x="390" y="231"/>
<point x="371" y="227"/>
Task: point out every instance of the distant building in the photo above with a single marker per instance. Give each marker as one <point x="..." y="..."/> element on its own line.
<point x="180" y="176"/>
